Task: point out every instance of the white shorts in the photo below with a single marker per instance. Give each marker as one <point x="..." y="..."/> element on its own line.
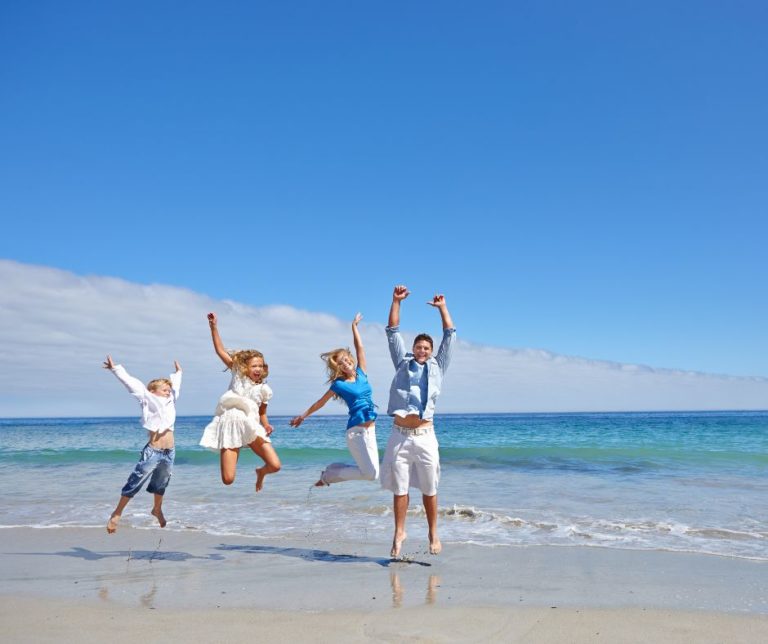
<point x="411" y="459"/>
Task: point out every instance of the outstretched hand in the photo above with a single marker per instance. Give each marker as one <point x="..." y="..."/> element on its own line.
<point x="108" y="364"/>
<point x="212" y="320"/>
<point x="438" y="301"/>
<point x="177" y="365"/>
<point x="295" y="422"/>
<point x="357" y="319"/>
<point x="400" y="293"/>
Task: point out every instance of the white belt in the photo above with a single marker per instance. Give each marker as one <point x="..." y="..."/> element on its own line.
<point x="416" y="431"/>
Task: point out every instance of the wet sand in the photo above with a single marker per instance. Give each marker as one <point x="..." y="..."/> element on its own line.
<point x="71" y="584"/>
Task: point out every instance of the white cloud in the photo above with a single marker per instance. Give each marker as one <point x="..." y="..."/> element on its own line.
<point x="57" y="327"/>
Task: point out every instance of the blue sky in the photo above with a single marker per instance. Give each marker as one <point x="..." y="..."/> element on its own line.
<point x="587" y="178"/>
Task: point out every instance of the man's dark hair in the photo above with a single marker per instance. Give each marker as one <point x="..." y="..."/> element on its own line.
<point x="424" y="336"/>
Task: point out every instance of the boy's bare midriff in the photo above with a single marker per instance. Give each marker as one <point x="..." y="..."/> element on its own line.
<point x="412" y="421"/>
<point x="161" y="440"/>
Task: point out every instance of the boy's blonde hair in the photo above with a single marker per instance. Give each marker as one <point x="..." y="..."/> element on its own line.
<point x="331" y="359"/>
<point x="240" y="360"/>
<point x="155" y="384"/>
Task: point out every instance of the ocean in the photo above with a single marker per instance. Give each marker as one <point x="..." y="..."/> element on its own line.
<point x="693" y="482"/>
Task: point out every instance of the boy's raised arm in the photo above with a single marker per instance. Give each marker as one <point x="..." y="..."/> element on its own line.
<point x="134" y="385"/>
<point x="176" y="379"/>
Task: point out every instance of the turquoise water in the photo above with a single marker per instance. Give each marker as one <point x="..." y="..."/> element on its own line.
<point x="675" y="481"/>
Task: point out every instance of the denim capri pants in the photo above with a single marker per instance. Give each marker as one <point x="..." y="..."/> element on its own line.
<point x="157" y="463"/>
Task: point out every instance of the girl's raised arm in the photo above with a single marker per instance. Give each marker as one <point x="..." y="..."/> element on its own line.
<point x="295" y="422"/>
<point x="359" y="350"/>
<point x="218" y="345"/>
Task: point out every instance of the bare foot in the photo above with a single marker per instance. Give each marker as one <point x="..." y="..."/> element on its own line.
<point x="397" y="544"/>
<point x="435" y="547"/>
<point x="112" y="523"/>
<point x="260" y="474"/>
<point x="157" y="512"/>
<point x="320" y="482"/>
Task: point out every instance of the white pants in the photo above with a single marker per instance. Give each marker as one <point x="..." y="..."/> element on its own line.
<point x="411" y="459"/>
<point x="361" y="442"/>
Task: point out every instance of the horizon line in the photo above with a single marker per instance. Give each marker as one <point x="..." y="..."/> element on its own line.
<point x="468" y="413"/>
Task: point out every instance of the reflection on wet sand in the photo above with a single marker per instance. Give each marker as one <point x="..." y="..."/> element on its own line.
<point x="433" y="583"/>
<point x="147" y="600"/>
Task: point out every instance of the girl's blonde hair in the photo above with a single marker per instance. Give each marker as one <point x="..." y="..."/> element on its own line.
<point x="240" y="360"/>
<point x="331" y="359"/>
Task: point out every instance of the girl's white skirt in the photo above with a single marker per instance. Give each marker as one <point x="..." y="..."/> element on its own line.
<point x="236" y="424"/>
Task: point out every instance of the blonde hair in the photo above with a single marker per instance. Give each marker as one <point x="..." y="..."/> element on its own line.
<point x="155" y="384"/>
<point x="331" y="359"/>
<point x="240" y="360"/>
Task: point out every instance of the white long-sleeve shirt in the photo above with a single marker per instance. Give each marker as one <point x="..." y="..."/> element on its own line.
<point x="158" y="413"/>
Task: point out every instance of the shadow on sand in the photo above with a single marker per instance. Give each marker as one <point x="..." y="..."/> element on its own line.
<point x="164" y="555"/>
<point x="319" y="555"/>
<point x="147" y="555"/>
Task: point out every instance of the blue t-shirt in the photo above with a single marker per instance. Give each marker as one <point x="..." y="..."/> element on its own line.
<point x="358" y="396"/>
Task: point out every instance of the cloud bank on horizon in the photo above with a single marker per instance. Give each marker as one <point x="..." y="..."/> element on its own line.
<point x="58" y="327"/>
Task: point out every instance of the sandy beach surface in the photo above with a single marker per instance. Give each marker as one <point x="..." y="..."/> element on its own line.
<point x="81" y="585"/>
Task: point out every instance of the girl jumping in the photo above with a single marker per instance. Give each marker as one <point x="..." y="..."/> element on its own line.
<point x="349" y="382"/>
<point x="241" y="415"/>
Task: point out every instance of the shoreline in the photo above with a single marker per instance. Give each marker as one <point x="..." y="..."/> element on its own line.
<point x="205" y="586"/>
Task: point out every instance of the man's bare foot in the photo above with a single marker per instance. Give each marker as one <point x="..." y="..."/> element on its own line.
<point x="158" y="513"/>
<point x="435" y="547"/>
<point x="397" y="544"/>
<point x="260" y="474"/>
<point x="112" y="523"/>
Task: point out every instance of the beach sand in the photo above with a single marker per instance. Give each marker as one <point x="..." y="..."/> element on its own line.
<point x="81" y="585"/>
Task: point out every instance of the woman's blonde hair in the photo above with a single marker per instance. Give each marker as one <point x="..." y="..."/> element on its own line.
<point x="331" y="359"/>
<point x="240" y="360"/>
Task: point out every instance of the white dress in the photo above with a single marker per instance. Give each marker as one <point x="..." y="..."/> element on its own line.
<point x="236" y="423"/>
